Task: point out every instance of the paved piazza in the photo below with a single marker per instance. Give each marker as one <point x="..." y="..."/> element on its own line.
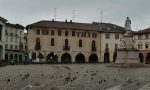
<point x="73" y="77"/>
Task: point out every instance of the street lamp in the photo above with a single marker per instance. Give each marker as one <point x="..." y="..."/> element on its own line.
<point x="54" y="57"/>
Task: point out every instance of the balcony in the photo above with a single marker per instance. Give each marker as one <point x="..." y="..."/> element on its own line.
<point x="93" y="49"/>
<point x="106" y="49"/>
<point x="67" y="48"/>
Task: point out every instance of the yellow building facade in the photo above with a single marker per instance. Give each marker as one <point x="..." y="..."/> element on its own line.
<point x="71" y="42"/>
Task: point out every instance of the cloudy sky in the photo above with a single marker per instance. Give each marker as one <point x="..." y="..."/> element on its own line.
<point x="113" y="11"/>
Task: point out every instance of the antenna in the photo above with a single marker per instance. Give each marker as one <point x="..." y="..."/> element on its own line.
<point x="55" y="13"/>
<point x="101" y="16"/>
<point x="73" y="15"/>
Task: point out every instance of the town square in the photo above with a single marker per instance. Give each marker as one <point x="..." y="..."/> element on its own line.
<point x="74" y="45"/>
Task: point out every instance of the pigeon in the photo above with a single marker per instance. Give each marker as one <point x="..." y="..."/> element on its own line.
<point x="104" y="80"/>
<point x="100" y="82"/>
<point x="8" y="80"/>
<point x="74" y="78"/>
<point x="91" y="78"/>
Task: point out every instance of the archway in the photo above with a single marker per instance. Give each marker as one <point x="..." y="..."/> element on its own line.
<point x="148" y="58"/>
<point x="33" y="56"/>
<point x="106" y="57"/>
<point x="80" y="58"/>
<point x="11" y="59"/>
<point x="6" y="58"/>
<point x="93" y="58"/>
<point x="52" y="58"/>
<point x="20" y="59"/>
<point x="141" y="57"/>
<point x="40" y="56"/>
<point x="114" y="56"/>
<point x="16" y="58"/>
<point x="66" y="58"/>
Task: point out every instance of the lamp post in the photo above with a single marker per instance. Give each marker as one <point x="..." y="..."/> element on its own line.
<point x="54" y="57"/>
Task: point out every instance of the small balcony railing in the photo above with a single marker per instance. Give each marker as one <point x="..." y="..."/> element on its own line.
<point x="93" y="49"/>
<point x="66" y="48"/>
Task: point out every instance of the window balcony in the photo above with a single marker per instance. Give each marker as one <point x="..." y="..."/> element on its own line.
<point x="106" y="49"/>
<point x="93" y="49"/>
<point x="67" y="48"/>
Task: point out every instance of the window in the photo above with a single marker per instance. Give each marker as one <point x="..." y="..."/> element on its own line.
<point x="84" y="34"/>
<point x="73" y="33"/>
<point x="93" y="43"/>
<point x="146" y="36"/>
<point x="106" y="45"/>
<point x="140" y="45"/>
<point x="146" y="45"/>
<point x="59" y="32"/>
<point x="11" y="47"/>
<point x="11" y="39"/>
<point x="80" y="43"/>
<point x="16" y="47"/>
<point x="66" y="33"/>
<point x="19" y="40"/>
<point x="6" y="39"/>
<point x="6" y="46"/>
<point x="89" y="34"/>
<point x="6" y="32"/>
<point x="140" y="36"/>
<point x="52" y="32"/>
<point x="45" y="32"/>
<point x="94" y="35"/>
<point x="16" y="40"/>
<point x="116" y="36"/>
<point x="20" y="33"/>
<point x="116" y="46"/>
<point x="38" y="32"/>
<point x="107" y="36"/>
<point x="81" y="34"/>
<point x="11" y="34"/>
<point x="78" y="34"/>
<point x="37" y="45"/>
<point x="66" y="42"/>
<point x="52" y="41"/>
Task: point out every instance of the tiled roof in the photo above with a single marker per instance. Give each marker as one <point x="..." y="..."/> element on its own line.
<point x="147" y="30"/>
<point x="110" y="28"/>
<point x="15" y="25"/>
<point x="106" y="27"/>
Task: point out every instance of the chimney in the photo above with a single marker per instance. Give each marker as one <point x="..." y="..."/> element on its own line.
<point x="66" y="21"/>
<point x="53" y="20"/>
<point x="71" y="21"/>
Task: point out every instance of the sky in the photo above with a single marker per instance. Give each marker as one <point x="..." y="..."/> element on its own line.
<point x="27" y="12"/>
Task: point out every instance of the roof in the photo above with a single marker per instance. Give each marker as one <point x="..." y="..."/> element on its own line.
<point x="110" y="28"/>
<point x="106" y="27"/>
<point x="144" y="31"/>
<point x="15" y="25"/>
<point x="3" y="19"/>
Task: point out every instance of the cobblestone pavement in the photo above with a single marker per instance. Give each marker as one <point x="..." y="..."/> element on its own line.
<point x="73" y="77"/>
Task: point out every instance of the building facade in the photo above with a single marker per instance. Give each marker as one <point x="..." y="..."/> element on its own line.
<point x="2" y="38"/>
<point x="14" y="43"/>
<point x="142" y="38"/>
<point x="70" y="42"/>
